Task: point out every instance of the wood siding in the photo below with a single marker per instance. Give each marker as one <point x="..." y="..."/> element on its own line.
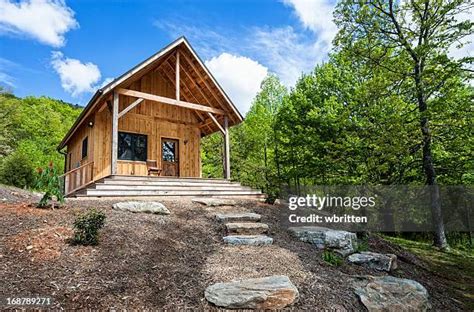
<point x="153" y="119"/>
<point x="74" y="148"/>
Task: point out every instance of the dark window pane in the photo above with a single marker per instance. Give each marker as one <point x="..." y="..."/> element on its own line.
<point x="169" y="151"/>
<point x="84" y="147"/>
<point x="132" y="146"/>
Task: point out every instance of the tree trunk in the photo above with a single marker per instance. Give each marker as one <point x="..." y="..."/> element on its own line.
<point x="439" y="236"/>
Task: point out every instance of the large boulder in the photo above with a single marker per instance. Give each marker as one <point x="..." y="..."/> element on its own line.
<point x="214" y="202"/>
<point x="273" y="292"/>
<point x="246" y="228"/>
<point x="342" y="242"/>
<point x="373" y="260"/>
<point x="147" y="207"/>
<point x="253" y="240"/>
<point x="238" y="217"/>
<point x="392" y="294"/>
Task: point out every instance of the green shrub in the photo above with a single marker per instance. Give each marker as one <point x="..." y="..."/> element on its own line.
<point x="17" y="170"/>
<point x="49" y="182"/>
<point x="332" y="258"/>
<point x="87" y="226"/>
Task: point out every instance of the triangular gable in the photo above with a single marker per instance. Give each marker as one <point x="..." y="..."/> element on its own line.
<point x="194" y="62"/>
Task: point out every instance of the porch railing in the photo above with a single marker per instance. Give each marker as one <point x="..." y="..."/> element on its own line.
<point x="77" y="178"/>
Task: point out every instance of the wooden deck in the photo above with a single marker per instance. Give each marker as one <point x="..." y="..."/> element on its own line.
<point x="149" y="186"/>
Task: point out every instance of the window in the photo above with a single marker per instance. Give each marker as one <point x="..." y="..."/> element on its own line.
<point x="169" y="150"/>
<point x="132" y="146"/>
<point x="84" y="147"/>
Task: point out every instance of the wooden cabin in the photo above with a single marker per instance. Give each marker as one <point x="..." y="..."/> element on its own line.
<point x="146" y="127"/>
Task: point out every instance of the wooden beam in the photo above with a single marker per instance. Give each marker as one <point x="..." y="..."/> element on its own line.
<point x="177" y="84"/>
<point x="190" y="62"/>
<point x="166" y="100"/>
<point x="166" y="75"/>
<point x="130" y="107"/>
<point x="227" y="148"/>
<point x="114" y="155"/>
<point x="216" y="122"/>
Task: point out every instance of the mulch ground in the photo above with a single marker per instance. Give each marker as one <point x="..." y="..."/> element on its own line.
<point x="146" y="261"/>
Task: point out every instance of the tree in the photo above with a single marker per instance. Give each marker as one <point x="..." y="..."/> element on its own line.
<point x="416" y="36"/>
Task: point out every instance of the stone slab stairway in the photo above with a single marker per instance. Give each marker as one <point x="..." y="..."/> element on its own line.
<point x="244" y="229"/>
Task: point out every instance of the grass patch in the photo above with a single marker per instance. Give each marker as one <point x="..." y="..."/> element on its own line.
<point x="456" y="266"/>
<point x="332" y="258"/>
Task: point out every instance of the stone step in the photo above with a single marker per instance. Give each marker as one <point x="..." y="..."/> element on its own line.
<point x="267" y="293"/>
<point x="246" y="228"/>
<point x="252" y="240"/>
<point x="238" y="217"/>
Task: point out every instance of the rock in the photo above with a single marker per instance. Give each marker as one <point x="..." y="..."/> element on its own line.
<point x="342" y="242"/>
<point x="273" y="292"/>
<point x="238" y="217"/>
<point x="254" y="240"/>
<point x="392" y="294"/>
<point x="147" y="207"/>
<point x="246" y="228"/>
<point x="29" y="247"/>
<point x="213" y="202"/>
<point x="277" y="202"/>
<point x="381" y="262"/>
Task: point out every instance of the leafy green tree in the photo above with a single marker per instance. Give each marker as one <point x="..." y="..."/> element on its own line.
<point x="411" y="40"/>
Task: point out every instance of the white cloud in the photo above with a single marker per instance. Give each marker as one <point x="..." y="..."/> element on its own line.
<point x="317" y="16"/>
<point x="286" y="52"/>
<point x="239" y="76"/>
<point x="44" y="20"/>
<point x="76" y="77"/>
<point x="6" y="66"/>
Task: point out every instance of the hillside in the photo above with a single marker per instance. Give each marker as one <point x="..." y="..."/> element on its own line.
<point x="30" y="130"/>
<point x="146" y="261"/>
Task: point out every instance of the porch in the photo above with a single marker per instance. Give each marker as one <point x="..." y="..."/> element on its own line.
<point x="147" y="126"/>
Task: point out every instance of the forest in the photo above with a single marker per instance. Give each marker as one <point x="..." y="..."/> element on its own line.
<point x="389" y="106"/>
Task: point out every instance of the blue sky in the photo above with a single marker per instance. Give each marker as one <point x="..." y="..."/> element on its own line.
<point x="68" y="49"/>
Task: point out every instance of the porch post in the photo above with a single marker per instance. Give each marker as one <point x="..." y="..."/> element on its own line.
<point x="226" y="148"/>
<point x="114" y="156"/>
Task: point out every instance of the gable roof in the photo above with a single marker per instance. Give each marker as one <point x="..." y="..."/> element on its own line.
<point x="104" y="92"/>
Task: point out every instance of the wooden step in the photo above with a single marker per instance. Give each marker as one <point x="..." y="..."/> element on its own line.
<point x="169" y="188"/>
<point x="165" y="183"/>
<point x="246" y="228"/>
<point x="184" y="192"/>
<point x="173" y="179"/>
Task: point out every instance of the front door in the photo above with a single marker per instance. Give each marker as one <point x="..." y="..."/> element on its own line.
<point x="170" y="157"/>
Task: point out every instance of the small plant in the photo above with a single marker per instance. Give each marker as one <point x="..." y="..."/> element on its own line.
<point x="363" y="244"/>
<point x="49" y="182"/>
<point x="332" y="258"/>
<point x="87" y="226"/>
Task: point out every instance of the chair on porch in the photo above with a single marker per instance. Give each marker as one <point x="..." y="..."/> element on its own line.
<point x="152" y="167"/>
